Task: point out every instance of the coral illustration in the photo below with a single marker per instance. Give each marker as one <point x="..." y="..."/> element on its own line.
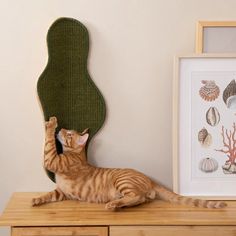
<point x="229" y="142"/>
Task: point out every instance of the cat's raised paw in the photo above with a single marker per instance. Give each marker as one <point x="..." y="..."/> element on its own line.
<point x="52" y="123"/>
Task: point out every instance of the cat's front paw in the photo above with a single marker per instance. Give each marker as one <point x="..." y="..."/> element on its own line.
<point x="36" y="202"/>
<point x="112" y="206"/>
<point x="52" y="123"/>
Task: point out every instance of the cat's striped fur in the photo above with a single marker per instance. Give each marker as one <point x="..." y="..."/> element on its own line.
<point x="78" y="180"/>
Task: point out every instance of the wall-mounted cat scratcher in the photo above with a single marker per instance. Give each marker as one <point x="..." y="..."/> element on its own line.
<point x="65" y="88"/>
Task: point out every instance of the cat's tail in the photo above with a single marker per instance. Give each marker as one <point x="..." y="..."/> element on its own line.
<point x="167" y="195"/>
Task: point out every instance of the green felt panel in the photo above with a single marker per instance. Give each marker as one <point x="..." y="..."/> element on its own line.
<point x="65" y="88"/>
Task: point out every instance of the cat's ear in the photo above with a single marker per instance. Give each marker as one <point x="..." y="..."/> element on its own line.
<point x="83" y="139"/>
<point x="85" y="131"/>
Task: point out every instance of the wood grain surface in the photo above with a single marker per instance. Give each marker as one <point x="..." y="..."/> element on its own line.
<point x="173" y="230"/>
<point x="73" y="213"/>
<point x="60" y="231"/>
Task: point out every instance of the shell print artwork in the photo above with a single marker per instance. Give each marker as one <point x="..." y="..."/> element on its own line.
<point x="204" y="137"/>
<point x="208" y="165"/>
<point x="229" y="95"/>
<point x="213" y="116"/>
<point x="210" y="91"/>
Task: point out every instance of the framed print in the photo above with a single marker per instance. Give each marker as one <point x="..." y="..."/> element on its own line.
<point x="216" y="37"/>
<point x="204" y="126"/>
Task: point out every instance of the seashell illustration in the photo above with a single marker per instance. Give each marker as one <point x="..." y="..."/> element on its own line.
<point x="229" y="95"/>
<point x="210" y="91"/>
<point x="213" y="116"/>
<point x="204" y="137"/>
<point x="229" y="168"/>
<point x="208" y="165"/>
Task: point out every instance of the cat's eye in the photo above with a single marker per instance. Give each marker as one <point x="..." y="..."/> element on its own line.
<point x="69" y="134"/>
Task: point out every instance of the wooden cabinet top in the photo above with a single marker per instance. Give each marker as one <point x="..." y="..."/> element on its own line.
<point x="73" y="213"/>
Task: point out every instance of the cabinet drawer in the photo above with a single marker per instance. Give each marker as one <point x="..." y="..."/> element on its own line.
<point x="59" y="231"/>
<point x="173" y="230"/>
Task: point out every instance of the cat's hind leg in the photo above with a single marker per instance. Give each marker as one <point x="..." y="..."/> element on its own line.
<point x="53" y="196"/>
<point x="126" y="201"/>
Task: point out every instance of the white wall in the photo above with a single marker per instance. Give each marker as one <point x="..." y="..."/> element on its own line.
<point x="132" y="47"/>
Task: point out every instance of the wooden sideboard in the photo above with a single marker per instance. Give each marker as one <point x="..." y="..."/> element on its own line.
<point x="72" y="218"/>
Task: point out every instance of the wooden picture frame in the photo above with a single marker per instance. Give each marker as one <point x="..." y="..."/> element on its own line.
<point x="188" y="179"/>
<point x="223" y="43"/>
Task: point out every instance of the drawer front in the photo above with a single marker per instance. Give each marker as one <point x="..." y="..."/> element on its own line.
<point x="60" y="231"/>
<point x="173" y="230"/>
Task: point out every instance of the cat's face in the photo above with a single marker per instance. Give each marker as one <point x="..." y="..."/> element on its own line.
<point x="72" y="140"/>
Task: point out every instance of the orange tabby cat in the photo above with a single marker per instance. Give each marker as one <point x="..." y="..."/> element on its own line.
<point x="76" y="179"/>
